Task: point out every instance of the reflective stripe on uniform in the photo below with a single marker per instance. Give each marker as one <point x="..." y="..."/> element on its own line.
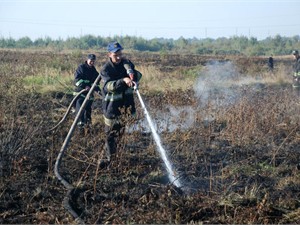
<point x="81" y="81"/>
<point x="80" y="123"/>
<point x="297" y="74"/>
<point x="110" y="122"/>
<point x="110" y="86"/>
<point x="115" y="97"/>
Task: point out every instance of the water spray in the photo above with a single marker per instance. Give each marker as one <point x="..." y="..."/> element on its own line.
<point x="172" y="176"/>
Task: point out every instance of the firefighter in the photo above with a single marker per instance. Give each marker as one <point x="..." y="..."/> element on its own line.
<point x="85" y="75"/>
<point x="271" y="64"/>
<point x="119" y="77"/>
<point x="296" y="80"/>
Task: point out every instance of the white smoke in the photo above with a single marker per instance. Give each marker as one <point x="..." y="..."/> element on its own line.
<point x="215" y="83"/>
<point x="221" y="85"/>
<point x="172" y="118"/>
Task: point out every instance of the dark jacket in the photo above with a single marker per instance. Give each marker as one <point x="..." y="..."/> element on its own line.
<point x="296" y="75"/>
<point x="270" y="63"/>
<point x="116" y="94"/>
<point x="297" y="68"/>
<point x="85" y="75"/>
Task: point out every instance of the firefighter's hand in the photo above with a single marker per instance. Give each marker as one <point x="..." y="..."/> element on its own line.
<point x="128" y="81"/>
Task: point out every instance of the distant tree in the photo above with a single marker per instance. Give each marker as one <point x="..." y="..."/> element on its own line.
<point x="253" y="41"/>
<point x="181" y="43"/>
<point x="7" y="43"/>
<point x="277" y="45"/>
<point x="239" y="43"/>
<point x="75" y="43"/>
<point x="139" y="44"/>
<point x="101" y="42"/>
<point x="204" y="51"/>
<point x="89" y="41"/>
<point x="58" y="44"/>
<point x="296" y="39"/>
<point x="40" y="42"/>
<point x="255" y="50"/>
<point x="155" y="45"/>
<point x="24" y="42"/>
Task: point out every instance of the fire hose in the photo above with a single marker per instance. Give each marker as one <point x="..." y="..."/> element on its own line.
<point x="68" y="186"/>
<point x="68" y="110"/>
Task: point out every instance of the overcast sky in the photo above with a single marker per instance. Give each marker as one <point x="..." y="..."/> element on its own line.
<point x="149" y="19"/>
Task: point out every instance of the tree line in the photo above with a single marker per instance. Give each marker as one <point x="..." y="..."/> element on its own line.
<point x="236" y="45"/>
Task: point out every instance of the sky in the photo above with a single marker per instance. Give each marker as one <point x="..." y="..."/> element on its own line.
<point x="62" y="19"/>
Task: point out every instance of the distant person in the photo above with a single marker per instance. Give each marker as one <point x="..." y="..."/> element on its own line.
<point x="85" y="75"/>
<point x="119" y="76"/>
<point x="296" y="77"/>
<point x="271" y="63"/>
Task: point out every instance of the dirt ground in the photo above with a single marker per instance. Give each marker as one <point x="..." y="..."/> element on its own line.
<point x="238" y="163"/>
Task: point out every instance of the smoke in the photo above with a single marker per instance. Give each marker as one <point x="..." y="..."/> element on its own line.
<point x="221" y="85"/>
<point x="169" y="120"/>
<point x="215" y="82"/>
<point x="178" y="118"/>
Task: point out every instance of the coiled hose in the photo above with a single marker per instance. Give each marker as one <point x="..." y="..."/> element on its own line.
<point x="68" y="110"/>
<point x="68" y="186"/>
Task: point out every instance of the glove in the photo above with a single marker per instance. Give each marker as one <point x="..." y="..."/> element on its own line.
<point x="87" y="88"/>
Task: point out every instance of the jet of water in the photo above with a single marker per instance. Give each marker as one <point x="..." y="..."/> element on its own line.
<point x="160" y="148"/>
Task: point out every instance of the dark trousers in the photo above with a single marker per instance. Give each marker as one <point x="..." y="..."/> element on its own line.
<point x="113" y="133"/>
<point x="86" y="116"/>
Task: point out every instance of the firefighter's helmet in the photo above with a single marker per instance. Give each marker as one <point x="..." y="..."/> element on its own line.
<point x="295" y="52"/>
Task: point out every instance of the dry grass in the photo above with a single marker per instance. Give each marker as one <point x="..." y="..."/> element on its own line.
<point x="155" y="80"/>
<point x="234" y="146"/>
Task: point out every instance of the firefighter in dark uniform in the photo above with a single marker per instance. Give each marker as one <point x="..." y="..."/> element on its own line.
<point x="85" y="75"/>
<point x="119" y="77"/>
<point x="271" y="64"/>
<point x="296" y="77"/>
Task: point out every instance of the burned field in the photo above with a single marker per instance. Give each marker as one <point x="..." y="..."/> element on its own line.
<point x="233" y="142"/>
